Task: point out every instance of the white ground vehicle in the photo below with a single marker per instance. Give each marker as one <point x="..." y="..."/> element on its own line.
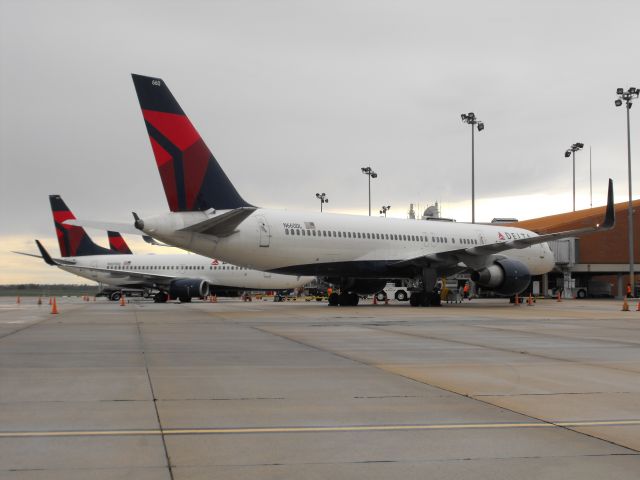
<point x="393" y="291"/>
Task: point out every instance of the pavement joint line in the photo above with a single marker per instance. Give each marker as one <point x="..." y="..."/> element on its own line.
<point x="440" y="387"/>
<point x="502" y="349"/>
<point x="315" y="429"/>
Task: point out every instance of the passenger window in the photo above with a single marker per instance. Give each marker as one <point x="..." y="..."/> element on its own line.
<point x="314" y="232"/>
<point x="286" y="231"/>
<point x="297" y="232"/>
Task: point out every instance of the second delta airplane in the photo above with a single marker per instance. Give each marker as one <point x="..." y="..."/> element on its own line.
<point x="181" y="276"/>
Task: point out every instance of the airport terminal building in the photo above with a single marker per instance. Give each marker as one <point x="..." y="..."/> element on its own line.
<point x="595" y="264"/>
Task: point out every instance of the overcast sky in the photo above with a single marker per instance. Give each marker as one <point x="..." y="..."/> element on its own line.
<point x="294" y="97"/>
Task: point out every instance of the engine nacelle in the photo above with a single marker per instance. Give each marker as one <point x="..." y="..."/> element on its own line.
<point x="188" y="287"/>
<point x="506" y="277"/>
<point x="364" y="286"/>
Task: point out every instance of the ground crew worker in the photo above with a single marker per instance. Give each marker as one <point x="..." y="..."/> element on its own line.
<point x="465" y="291"/>
<point x="628" y="290"/>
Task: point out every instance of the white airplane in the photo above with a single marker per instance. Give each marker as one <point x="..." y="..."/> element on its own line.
<point x="208" y="216"/>
<point x="181" y="276"/>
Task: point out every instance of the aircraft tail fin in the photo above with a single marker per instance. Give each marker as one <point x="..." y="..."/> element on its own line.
<point x="117" y="243"/>
<point x="191" y="176"/>
<point x="74" y="241"/>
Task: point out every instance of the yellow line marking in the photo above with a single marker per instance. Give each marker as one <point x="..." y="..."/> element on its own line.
<point x="354" y="428"/>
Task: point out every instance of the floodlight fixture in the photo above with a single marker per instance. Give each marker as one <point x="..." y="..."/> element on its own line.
<point x="628" y="97"/>
<point x="368" y="171"/>
<point x="323" y="199"/>
<point x="470" y="118"/>
<point x="571" y="152"/>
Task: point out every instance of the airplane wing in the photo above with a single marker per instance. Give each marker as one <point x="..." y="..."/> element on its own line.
<point x="463" y="255"/>
<point x="222" y="225"/>
<point x="128" y="275"/>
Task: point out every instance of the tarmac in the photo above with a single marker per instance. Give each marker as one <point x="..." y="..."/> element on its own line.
<point x="235" y="390"/>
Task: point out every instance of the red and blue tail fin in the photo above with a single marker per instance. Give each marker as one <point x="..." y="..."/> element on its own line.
<point x="74" y="241"/>
<point x="117" y="243"/>
<point x="192" y="178"/>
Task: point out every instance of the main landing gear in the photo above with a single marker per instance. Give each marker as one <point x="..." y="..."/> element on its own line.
<point x="428" y="296"/>
<point x="424" y="299"/>
<point x="343" y="299"/>
<point x="160" y="297"/>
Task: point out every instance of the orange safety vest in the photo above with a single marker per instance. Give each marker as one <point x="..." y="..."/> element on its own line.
<point x="629" y="289"/>
<point x="466" y="289"/>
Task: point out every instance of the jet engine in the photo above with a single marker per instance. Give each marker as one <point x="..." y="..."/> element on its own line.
<point x="506" y="277"/>
<point x="188" y="288"/>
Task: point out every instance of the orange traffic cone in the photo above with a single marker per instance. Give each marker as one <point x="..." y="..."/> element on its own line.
<point x="625" y="305"/>
<point x="39" y="300"/>
<point x="375" y="300"/>
<point x="54" y="307"/>
<point x="122" y="303"/>
<point x="386" y="300"/>
<point x="517" y="302"/>
<point x="559" y="299"/>
<point x="530" y="300"/>
<point x="18" y="299"/>
<point x="50" y="301"/>
<point x="638" y="307"/>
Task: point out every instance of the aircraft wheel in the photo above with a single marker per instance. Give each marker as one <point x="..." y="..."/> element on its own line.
<point x="115" y="296"/>
<point x="425" y="300"/>
<point x="401" y="296"/>
<point x="416" y="299"/>
<point x="160" y="297"/>
<point x="434" y="300"/>
<point x="354" y="299"/>
<point x="345" y="299"/>
<point x="334" y="299"/>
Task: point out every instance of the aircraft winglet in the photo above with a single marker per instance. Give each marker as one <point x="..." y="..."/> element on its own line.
<point x="45" y="255"/>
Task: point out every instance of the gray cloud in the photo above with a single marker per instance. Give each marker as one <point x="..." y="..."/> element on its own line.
<point x="294" y="97"/>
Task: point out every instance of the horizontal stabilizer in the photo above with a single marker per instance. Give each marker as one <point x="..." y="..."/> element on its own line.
<point x="223" y="224"/>
<point x="152" y="241"/>
<point x="118" y="227"/>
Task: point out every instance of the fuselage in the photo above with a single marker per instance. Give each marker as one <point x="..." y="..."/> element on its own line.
<point x="215" y="272"/>
<point x="325" y="244"/>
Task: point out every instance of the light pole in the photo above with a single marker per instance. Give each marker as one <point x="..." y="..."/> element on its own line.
<point x="323" y="199"/>
<point x="627" y="98"/>
<point x="371" y="174"/>
<point x="571" y="152"/>
<point x="471" y="119"/>
<point x="384" y="210"/>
